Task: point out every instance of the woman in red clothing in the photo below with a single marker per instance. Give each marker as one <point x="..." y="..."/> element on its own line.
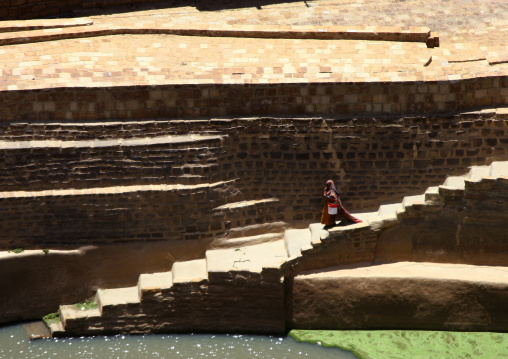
<point x="333" y="206"/>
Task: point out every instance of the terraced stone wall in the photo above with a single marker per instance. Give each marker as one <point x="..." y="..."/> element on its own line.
<point x="116" y="215"/>
<point x="85" y="164"/>
<point x="170" y="101"/>
<point x="373" y="161"/>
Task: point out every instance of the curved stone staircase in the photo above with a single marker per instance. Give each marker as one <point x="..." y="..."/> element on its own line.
<point x="247" y="287"/>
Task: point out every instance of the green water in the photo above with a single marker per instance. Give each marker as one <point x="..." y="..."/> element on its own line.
<point x="14" y="344"/>
<point x="411" y="344"/>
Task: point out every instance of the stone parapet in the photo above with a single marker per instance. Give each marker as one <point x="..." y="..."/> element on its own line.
<point x="211" y="100"/>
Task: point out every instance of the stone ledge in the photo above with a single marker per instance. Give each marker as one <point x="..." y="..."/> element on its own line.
<point x="146" y="141"/>
<point x="372" y="33"/>
<point x="27" y="25"/>
<point x="109" y="190"/>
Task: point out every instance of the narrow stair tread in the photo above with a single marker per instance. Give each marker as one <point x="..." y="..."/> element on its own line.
<point x="410" y="200"/>
<point x="316" y="232"/>
<point x="117" y="296"/>
<point x="499" y="169"/>
<point x="477" y="172"/>
<point x="70" y="312"/>
<point x="295" y="240"/>
<point x="386" y="209"/>
<point x="455" y="182"/>
<point x="244" y="204"/>
<point x="246" y="241"/>
<point x="251" y="258"/>
<point x="155" y="281"/>
<point x="190" y="271"/>
<point x="365" y="216"/>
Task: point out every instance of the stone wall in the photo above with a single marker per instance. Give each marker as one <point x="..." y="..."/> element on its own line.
<point x="170" y="101"/>
<point x="41" y="165"/>
<point x="469" y="227"/>
<point x="373" y="161"/>
<point x="54" y="219"/>
<point x="397" y="302"/>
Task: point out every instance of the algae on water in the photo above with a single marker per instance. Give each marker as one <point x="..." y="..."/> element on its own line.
<point x="414" y="344"/>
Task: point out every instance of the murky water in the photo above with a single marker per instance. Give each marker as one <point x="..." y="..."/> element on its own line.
<point x="14" y="344"/>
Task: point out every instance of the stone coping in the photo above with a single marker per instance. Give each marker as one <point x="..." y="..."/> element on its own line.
<point x="27" y="25"/>
<point x="147" y="141"/>
<point x="415" y="270"/>
<point x="39" y="32"/>
<point x="109" y="190"/>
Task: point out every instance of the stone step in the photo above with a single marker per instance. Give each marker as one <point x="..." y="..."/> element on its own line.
<point x="56" y="329"/>
<point x="387" y="209"/>
<point x="110" y="300"/>
<point x="432" y="195"/>
<point x="193" y="271"/>
<point x="108" y="190"/>
<point x="477" y="172"/>
<point x="365" y="216"/>
<point x="295" y="240"/>
<point x="411" y="200"/>
<point x="70" y="314"/>
<point x="316" y="233"/>
<point x="251" y="258"/>
<point x="150" y="284"/>
<point x="245" y="241"/>
<point x="455" y="182"/>
<point x="179" y="140"/>
<point x="499" y="169"/>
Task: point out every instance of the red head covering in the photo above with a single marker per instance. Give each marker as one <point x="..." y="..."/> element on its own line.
<point x="331" y="190"/>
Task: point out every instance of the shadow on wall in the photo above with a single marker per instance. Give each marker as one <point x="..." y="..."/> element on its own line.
<point x="12" y="10"/>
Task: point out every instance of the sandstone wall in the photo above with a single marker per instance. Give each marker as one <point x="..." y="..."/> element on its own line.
<point x="373" y="161"/>
<point x="118" y="215"/>
<point x="468" y="228"/>
<point x="396" y="303"/>
<point x="41" y="165"/>
<point x="170" y="101"/>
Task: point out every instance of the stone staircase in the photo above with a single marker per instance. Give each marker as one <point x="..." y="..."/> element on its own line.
<point x="194" y="295"/>
<point x="241" y="288"/>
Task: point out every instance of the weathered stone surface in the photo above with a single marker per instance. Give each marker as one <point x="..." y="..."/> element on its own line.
<point x="38" y="283"/>
<point x="401" y="295"/>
